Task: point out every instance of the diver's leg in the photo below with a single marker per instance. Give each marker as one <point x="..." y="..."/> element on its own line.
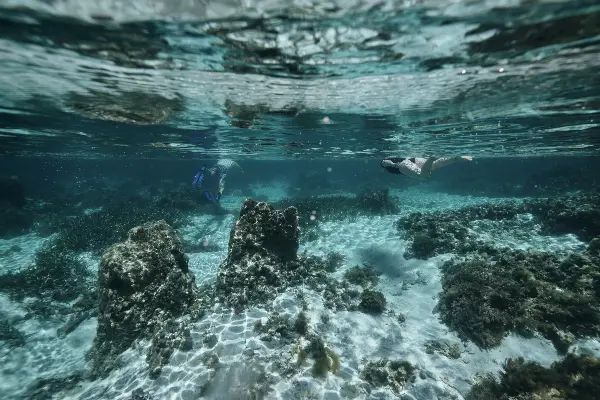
<point x="427" y="168"/>
<point x="442" y="162"/>
<point x="409" y="169"/>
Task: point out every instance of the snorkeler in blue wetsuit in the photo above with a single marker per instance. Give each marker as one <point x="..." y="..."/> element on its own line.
<point x="199" y="180"/>
<point x="220" y="169"/>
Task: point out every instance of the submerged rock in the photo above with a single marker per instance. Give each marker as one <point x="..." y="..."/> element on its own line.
<point x="574" y="377"/>
<point x="389" y="373"/>
<point x="372" y="302"/>
<point x="11" y="190"/>
<point x="484" y="297"/>
<point x="46" y="388"/>
<point x="144" y="286"/>
<point x="57" y="274"/>
<point x="261" y="255"/>
<point x="262" y="262"/>
<point x="14" y="220"/>
<point x="448" y="231"/>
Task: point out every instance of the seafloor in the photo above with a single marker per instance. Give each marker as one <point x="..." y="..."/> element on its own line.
<point x="407" y="293"/>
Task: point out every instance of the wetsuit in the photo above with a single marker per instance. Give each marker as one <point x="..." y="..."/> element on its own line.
<point x="396" y="160"/>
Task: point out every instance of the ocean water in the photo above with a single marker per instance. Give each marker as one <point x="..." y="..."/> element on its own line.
<point x="480" y="282"/>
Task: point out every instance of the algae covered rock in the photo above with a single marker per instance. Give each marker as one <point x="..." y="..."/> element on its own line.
<point x="394" y="374"/>
<point x="262" y="262"/>
<point x="372" y="302"/>
<point x="144" y="285"/>
<point x="574" y="377"/>
<point x="57" y="274"/>
<point x="262" y="250"/>
<point x="484" y="297"/>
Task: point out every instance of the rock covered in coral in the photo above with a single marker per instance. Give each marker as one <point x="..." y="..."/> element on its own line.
<point x="574" y="377"/>
<point x="14" y="220"/>
<point x="11" y="190"/>
<point x="263" y="230"/>
<point x="486" y="296"/>
<point x="389" y="373"/>
<point x="372" y="302"/>
<point x="377" y="201"/>
<point x="448" y="231"/>
<point x="144" y="284"/>
<point x="57" y="274"/>
<point x="262" y="262"/>
<point x="262" y="250"/>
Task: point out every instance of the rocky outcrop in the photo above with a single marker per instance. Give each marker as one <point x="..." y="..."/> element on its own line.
<point x="11" y="190"/>
<point x="262" y="262"/>
<point x="262" y="250"/>
<point x="144" y="286"/>
<point x="15" y="219"/>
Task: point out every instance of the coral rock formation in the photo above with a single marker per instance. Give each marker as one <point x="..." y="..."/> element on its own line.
<point x="144" y="285"/>
<point x="262" y="248"/>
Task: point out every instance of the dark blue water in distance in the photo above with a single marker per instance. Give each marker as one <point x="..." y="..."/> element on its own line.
<point x="193" y="204"/>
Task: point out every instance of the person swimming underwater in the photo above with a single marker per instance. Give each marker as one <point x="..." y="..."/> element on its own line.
<point x="419" y="168"/>
<point x="221" y="168"/>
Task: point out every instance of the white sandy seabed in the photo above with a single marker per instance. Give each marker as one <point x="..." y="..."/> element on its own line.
<point x="410" y="287"/>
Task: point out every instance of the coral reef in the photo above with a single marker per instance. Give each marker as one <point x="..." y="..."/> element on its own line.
<point x="98" y="230"/>
<point x="11" y="191"/>
<point x="362" y="276"/>
<point x="144" y="287"/>
<point x="262" y="261"/>
<point x="372" y="302"/>
<point x="325" y="360"/>
<point x="389" y="373"/>
<point x="447" y="231"/>
<point x="376" y="201"/>
<point x="450" y="350"/>
<point x="57" y="274"/>
<point x="288" y="332"/>
<point x="574" y="377"/>
<point x="312" y="210"/>
<point x="486" y="296"/>
<point x="11" y="335"/>
<point x="333" y="261"/>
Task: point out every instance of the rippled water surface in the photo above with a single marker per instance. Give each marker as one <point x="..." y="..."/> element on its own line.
<point x="274" y="79"/>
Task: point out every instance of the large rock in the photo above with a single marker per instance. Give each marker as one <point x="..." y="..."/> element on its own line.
<point x="262" y="262"/>
<point x="262" y="255"/>
<point x="144" y="285"/>
<point x="15" y="219"/>
<point x="11" y="190"/>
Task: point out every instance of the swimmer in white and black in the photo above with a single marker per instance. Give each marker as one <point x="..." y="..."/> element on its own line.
<point x="419" y="168"/>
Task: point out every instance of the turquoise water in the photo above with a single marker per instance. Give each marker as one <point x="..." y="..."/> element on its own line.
<point x="480" y="282"/>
